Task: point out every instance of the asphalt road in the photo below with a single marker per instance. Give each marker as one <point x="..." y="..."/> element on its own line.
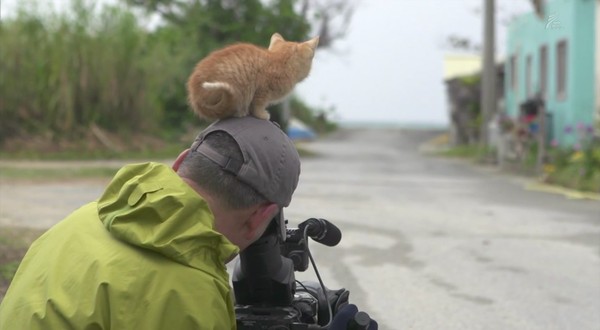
<point x="428" y="243"/>
<point x="439" y="244"/>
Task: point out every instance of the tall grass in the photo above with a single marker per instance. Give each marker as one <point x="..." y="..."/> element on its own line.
<point x="64" y="71"/>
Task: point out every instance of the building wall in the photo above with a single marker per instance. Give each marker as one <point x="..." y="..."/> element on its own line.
<point x="460" y="65"/>
<point x="584" y="81"/>
<point x="597" y="40"/>
<point x="570" y="20"/>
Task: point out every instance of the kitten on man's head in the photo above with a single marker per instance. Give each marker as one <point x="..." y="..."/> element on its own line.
<point x="243" y="79"/>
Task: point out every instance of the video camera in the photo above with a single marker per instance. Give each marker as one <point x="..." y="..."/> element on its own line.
<point x="266" y="292"/>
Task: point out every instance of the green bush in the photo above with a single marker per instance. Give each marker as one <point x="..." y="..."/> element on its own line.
<point x="577" y="166"/>
<point x="318" y="119"/>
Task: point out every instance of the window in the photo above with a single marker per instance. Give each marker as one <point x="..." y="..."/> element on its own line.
<point x="561" y="70"/>
<point x="543" y="70"/>
<point x="528" y="89"/>
<point x="513" y="72"/>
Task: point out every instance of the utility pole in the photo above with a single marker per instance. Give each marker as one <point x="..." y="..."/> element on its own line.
<point x="488" y="76"/>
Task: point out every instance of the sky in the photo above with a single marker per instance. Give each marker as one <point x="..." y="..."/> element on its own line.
<point x="388" y="68"/>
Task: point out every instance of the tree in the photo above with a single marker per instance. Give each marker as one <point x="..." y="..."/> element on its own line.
<point x="538" y="7"/>
<point x="196" y="27"/>
<point x="329" y="18"/>
<point x="226" y="21"/>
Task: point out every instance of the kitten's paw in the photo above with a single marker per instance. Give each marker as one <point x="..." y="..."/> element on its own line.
<point x="261" y="114"/>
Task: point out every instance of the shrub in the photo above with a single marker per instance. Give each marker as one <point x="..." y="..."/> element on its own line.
<point x="577" y="166"/>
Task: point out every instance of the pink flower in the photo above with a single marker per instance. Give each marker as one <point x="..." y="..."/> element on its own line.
<point x="568" y="129"/>
<point x="577" y="146"/>
<point x="589" y="129"/>
<point x="554" y="143"/>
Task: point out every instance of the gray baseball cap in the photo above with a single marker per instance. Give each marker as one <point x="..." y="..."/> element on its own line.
<point x="271" y="163"/>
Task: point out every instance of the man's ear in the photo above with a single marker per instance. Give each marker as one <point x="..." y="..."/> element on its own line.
<point x="180" y="159"/>
<point x="259" y="220"/>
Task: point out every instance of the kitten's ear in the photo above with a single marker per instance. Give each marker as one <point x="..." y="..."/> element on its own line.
<point x="275" y="38"/>
<point x="312" y="43"/>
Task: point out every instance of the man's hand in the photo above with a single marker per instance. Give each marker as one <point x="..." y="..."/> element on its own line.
<point x="349" y="318"/>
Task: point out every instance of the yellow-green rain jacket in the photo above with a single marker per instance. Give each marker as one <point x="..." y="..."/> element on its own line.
<point x="144" y="256"/>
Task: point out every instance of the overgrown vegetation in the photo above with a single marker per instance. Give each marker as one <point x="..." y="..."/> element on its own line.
<point x="98" y="78"/>
<point x="576" y="166"/>
<point x="464" y="99"/>
<point x="64" y="72"/>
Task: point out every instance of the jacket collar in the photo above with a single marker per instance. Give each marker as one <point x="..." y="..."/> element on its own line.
<point x="148" y="205"/>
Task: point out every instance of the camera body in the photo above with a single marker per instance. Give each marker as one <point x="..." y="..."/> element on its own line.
<point x="266" y="292"/>
<point x="295" y="248"/>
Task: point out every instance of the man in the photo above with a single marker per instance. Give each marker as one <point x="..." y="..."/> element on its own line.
<point x="150" y="253"/>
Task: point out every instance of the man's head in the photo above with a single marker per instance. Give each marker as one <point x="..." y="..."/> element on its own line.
<point x="247" y="169"/>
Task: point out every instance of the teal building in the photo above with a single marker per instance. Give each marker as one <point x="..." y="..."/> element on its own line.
<point x="554" y="54"/>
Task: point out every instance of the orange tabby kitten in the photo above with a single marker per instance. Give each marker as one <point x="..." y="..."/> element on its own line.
<point x="244" y="79"/>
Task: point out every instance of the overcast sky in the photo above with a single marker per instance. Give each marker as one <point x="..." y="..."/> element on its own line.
<point x="389" y="66"/>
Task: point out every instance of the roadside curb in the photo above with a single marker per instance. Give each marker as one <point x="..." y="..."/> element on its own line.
<point x="566" y="192"/>
<point x="439" y="144"/>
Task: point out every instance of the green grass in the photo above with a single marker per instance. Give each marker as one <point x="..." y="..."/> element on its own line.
<point x="461" y="151"/>
<point x="7" y="172"/>
<point x="305" y="153"/>
<point x="71" y="172"/>
<point x="8" y="270"/>
<point x="474" y="152"/>
<point x="14" y="242"/>
<point x="170" y="151"/>
<point x="570" y="177"/>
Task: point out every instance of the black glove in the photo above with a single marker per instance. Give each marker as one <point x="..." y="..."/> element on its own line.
<point x="348" y="318"/>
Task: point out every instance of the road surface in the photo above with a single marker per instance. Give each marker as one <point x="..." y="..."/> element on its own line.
<point x="428" y="243"/>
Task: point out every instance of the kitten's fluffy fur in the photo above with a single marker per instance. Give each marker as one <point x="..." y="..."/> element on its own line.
<point x="244" y="79"/>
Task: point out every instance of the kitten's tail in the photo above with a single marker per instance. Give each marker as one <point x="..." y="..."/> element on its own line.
<point x="213" y="100"/>
<point x="217" y="85"/>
